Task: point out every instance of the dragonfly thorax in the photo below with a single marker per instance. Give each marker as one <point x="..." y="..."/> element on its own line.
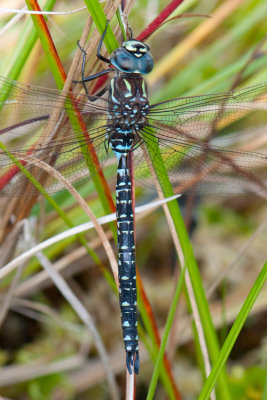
<point x="131" y="89"/>
<point x="128" y="104"/>
<point x="127" y="120"/>
<point x="129" y="116"/>
<point x="128" y="109"/>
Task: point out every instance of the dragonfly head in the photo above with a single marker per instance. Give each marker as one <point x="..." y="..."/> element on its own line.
<point x="132" y="57"/>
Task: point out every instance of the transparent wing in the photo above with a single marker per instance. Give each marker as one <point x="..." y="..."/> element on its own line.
<point x="71" y="141"/>
<point x="194" y="138"/>
<point x="188" y="138"/>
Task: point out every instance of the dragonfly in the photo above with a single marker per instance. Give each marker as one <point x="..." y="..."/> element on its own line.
<point x="183" y="141"/>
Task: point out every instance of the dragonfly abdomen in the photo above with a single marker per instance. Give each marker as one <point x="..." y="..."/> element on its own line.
<point x="121" y="140"/>
<point x="126" y="261"/>
<point x="128" y="109"/>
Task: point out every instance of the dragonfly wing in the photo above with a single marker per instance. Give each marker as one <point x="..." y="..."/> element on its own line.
<point x="193" y="137"/>
<point x="51" y="126"/>
<point x="218" y="110"/>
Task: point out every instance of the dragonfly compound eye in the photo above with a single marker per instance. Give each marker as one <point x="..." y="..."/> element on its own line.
<point x="132" y="57"/>
<point x="122" y="60"/>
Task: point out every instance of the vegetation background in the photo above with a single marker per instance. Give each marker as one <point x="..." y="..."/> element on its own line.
<point x="45" y="349"/>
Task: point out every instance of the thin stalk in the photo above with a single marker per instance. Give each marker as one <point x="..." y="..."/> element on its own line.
<point x="21" y="52"/>
<point x="100" y="20"/>
<point x="171" y="315"/>
<point x="233" y="334"/>
<point x="190" y="263"/>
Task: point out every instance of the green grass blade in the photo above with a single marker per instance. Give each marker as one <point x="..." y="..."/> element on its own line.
<point x="24" y="47"/>
<point x="233" y="334"/>
<point x="48" y="45"/>
<point x="150" y="343"/>
<point x="121" y="24"/>
<point x="264" y="395"/>
<point x="100" y="21"/>
<point x="190" y="263"/>
<point x="158" y="364"/>
<point x="21" y="52"/>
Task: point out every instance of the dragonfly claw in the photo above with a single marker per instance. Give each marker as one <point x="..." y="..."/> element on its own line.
<point x="132" y="362"/>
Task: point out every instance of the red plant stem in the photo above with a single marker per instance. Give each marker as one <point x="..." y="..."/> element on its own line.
<point x="153" y="26"/>
<point x="4" y="180"/>
<point x="99" y="83"/>
<point x="41" y="21"/>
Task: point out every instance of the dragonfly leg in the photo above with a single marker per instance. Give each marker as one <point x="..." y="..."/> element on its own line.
<point x="94" y="76"/>
<point x="91" y="77"/>
<point x="106" y="144"/>
<point x="99" y="55"/>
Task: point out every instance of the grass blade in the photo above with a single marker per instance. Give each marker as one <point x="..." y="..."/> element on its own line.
<point x="233" y="334"/>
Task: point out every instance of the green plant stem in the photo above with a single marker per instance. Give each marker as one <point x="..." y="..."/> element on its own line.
<point x="233" y="334"/>
<point x="160" y="355"/>
<point x="191" y="265"/>
<point x="100" y="20"/>
<point x="21" y="52"/>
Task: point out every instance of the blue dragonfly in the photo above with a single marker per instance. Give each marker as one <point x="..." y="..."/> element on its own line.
<point x="183" y="141"/>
